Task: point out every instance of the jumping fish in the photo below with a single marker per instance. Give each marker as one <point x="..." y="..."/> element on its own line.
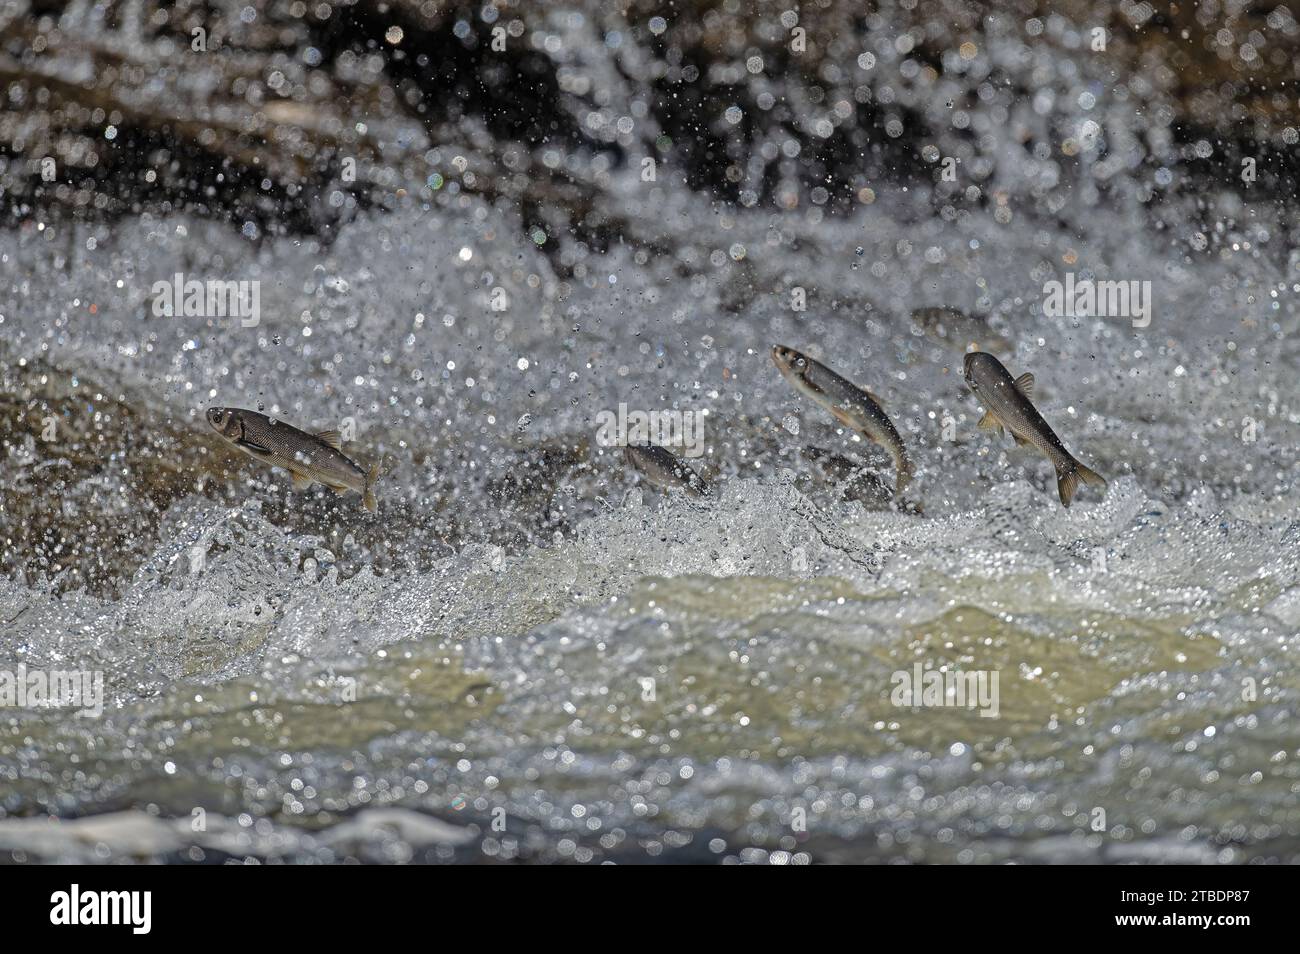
<point x="954" y="327"/>
<point x="1008" y="405"/>
<point x="658" y="466"/>
<point x="308" y="457"/>
<point x="852" y="406"/>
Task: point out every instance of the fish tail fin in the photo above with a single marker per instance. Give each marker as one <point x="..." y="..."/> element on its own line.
<point x="1068" y="474"/>
<point x="906" y="470"/>
<point x="368" y="495"/>
<point x="1090" y="476"/>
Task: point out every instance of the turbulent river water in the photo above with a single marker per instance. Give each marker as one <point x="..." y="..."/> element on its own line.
<point x="527" y="654"/>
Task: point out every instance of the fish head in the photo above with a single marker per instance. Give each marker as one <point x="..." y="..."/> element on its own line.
<point x="976" y="362"/>
<point x="224" y="420"/>
<point x="790" y="363"/>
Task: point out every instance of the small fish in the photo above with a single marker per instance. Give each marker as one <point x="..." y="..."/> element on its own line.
<point x="852" y="406"/>
<point x="308" y="457"/>
<point x="955" y="327"/>
<point x="1008" y="405"/>
<point x="658" y="466"/>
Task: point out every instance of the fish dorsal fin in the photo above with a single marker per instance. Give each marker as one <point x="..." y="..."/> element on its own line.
<point x="333" y="438"/>
<point x="1025" y="384"/>
<point x="875" y="397"/>
<point x="989" y="422"/>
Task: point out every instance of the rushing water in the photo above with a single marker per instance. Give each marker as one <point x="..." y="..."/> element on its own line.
<point x="611" y="673"/>
<point x="527" y="653"/>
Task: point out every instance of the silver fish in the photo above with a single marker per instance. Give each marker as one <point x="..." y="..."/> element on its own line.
<point x="954" y="327"/>
<point x="1007" y="405"/>
<point x="851" y="405"/>
<point x="658" y="466"/>
<point x="308" y="457"/>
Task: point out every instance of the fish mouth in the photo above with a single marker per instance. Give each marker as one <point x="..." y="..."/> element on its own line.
<point x="788" y="361"/>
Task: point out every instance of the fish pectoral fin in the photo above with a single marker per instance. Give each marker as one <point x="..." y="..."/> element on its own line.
<point x="301" y="481"/>
<point x="253" y="448"/>
<point x="989" y="422"/>
<point x="368" y="499"/>
<point x="333" y="438"/>
<point x="1025" y="384"/>
<point x="1020" y="441"/>
<point x="337" y="488"/>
